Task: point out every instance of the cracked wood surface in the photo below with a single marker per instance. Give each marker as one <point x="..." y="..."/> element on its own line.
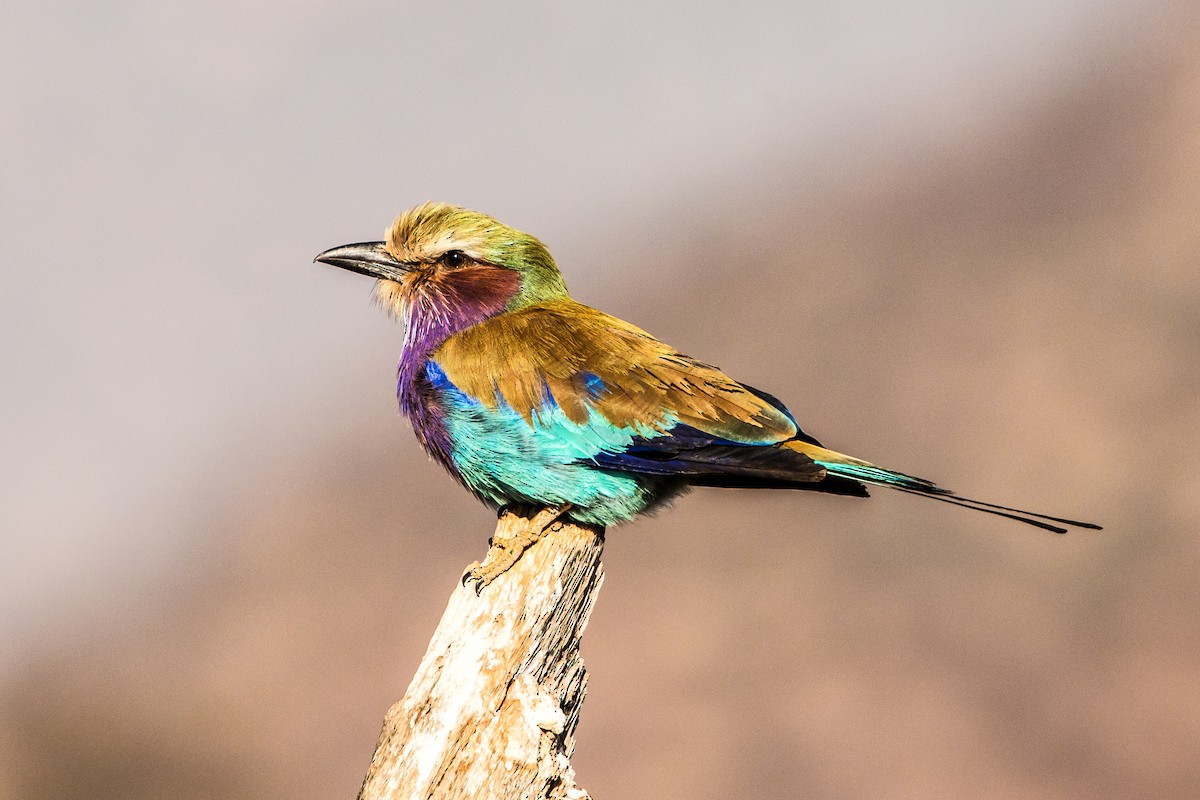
<point x="492" y="710"/>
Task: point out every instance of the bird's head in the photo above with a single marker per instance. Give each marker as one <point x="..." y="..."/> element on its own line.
<point x="457" y="267"/>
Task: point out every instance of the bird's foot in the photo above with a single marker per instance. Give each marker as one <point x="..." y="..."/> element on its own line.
<point x="507" y="546"/>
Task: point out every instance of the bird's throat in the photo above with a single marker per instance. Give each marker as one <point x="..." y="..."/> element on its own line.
<point x="435" y="306"/>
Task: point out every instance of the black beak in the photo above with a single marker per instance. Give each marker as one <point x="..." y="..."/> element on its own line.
<point x="367" y="258"/>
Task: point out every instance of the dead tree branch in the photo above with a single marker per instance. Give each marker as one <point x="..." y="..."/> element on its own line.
<point x="492" y="710"/>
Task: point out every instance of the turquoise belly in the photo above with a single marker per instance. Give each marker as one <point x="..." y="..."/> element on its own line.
<point x="504" y="459"/>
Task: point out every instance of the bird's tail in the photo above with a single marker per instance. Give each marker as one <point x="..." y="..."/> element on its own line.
<point x="855" y="469"/>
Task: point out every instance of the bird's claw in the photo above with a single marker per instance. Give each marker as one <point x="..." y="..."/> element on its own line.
<point x="474" y="574"/>
<point x="506" y="550"/>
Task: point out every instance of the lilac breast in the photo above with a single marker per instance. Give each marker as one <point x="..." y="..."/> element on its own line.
<point x="441" y="308"/>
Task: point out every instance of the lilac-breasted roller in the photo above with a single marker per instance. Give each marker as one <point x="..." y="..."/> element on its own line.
<point x="528" y="397"/>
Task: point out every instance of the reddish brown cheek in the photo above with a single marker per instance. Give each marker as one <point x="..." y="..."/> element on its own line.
<point x="481" y="285"/>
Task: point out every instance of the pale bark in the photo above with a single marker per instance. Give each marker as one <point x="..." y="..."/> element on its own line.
<point x="492" y="710"/>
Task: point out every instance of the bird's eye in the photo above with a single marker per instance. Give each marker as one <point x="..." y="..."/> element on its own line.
<point x="454" y="258"/>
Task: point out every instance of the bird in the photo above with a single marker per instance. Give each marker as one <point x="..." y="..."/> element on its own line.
<point x="531" y="399"/>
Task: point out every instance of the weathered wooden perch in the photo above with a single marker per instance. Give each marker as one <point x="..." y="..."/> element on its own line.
<point x="492" y="710"/>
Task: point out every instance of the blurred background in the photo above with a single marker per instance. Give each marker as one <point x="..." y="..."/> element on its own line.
<point x="962" y="240"/>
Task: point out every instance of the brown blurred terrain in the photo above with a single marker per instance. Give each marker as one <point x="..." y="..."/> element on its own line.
<point x="1015" y="315"/>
